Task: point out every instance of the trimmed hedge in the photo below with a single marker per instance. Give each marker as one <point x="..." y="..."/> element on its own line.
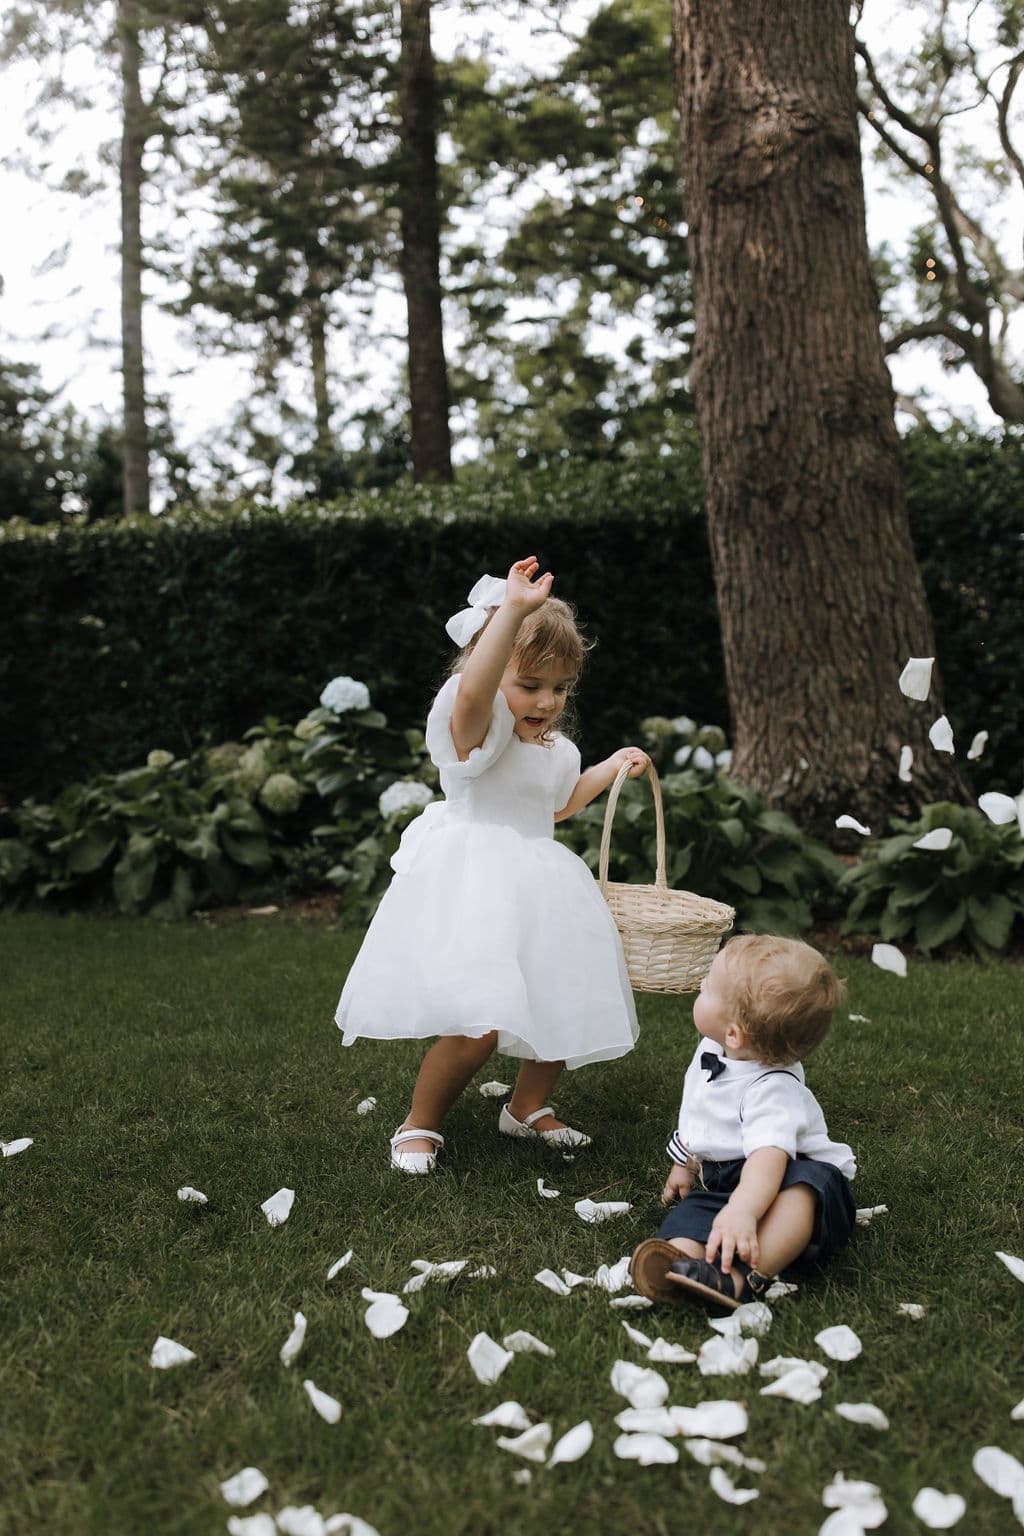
<point x="173" y="632"/>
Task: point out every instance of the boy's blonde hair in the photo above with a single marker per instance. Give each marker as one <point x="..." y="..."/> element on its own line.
<point x="781" y="993"/>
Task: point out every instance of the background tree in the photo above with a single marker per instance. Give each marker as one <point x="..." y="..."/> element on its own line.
<point x="820" y="597"/>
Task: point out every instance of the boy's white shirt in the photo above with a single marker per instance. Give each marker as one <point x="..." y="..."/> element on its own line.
<point x="748" y="1106"/>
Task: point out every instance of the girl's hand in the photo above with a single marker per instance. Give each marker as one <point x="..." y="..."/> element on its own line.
<point x="523" y="593"/>
<point x="637" y="759"/>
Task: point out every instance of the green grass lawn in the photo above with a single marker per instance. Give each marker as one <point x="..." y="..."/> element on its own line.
<point x="143" y="1057"/>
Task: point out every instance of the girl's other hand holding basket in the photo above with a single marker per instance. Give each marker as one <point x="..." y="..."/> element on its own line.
<point x="637" y="759"/>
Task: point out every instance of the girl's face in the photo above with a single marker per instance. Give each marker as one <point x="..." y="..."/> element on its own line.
<point x="536" y="698"/>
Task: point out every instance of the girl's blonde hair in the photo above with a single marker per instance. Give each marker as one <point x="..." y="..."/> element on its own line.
<point x="549" y="636"/>
<point x="781" y="993"/>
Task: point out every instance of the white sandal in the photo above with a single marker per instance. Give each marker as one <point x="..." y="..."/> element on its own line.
<point x="414" y="1162"/>
<point x="564" y="1136"/>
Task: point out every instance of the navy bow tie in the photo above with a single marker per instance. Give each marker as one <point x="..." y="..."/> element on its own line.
<point x="712" y="1064"/>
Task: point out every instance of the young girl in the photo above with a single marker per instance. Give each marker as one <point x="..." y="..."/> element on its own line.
<point x="492" y="935"/>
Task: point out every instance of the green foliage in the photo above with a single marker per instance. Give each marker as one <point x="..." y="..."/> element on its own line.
<point x="972" y="893"/>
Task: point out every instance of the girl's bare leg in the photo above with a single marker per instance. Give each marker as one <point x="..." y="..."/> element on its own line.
<point x="445" y="1070"/>
<point x="783" y="1232"/>
<point x="532" y="1087"/>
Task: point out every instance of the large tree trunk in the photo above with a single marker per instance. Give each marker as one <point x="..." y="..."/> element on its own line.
<point x="135" y="449"/>
<point x="820" y="597"/>
<point x="421" y="248"/>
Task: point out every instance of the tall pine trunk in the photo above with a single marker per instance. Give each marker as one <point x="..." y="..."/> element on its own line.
<point x="421" y="247"/>
<point x="135" y="448"/>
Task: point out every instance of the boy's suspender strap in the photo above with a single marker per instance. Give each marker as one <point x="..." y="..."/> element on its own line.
<point x="775" y="1072"/>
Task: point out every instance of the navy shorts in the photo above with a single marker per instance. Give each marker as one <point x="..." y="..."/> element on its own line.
<point x="834" y="1216"/>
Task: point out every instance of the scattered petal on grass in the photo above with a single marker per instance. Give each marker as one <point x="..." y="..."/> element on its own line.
<point x="851" y="824"/>
<point x="712" y="1453"/>
<point x="938" y="1511"/>
<point x="662" y="1352"/>
<point x="1000" y="809"/>
<point x="523" y="1343"/>
<point x="715" y="1419"/>
<point x="532" y="1444"/>
<point x="841" y="1522"/>
<point x="251" y="1525"/>
<point x="509" y="1415"/>
<point x="888" y="958"/>
<point x="631" y="1303"/>
<point x="385" y="1314"/>
<point x="1013" y="1264"/>
<point x="293" y="1343"/>
<point x="862" y="1500"/>
<point x="780" y="1288"/>
<point x="166" y="1353"/>
<point x="916" y="678"/>
<point x="904" y="771"/>
<point x="574" y="1444"/>
<point x="641" y="1388"/>
<point x="839" y="1343"/>
<point x="940" y="734"/>
<point x="1018" y="1412"/>
<point x="782" y="1364"/>
<point x="279" y="1207"/>
<point x="484" y="1272"/>
<point x="727" y="1355"/>
<point x="552" y="1281"/>
<point x="349" y="1525"/>
<point x="300" y="1520"/>
<point x="12" y="1148"/>
<point x="1000" y="1471"/>
<point x="487" y="1358"/>
<point x="723" y="1485"/>
<point x="327" y="1407"/>
<point x="244" y="1487"/>
<point x="935" y="841"/>
<point x="522" y="1476"/>
<point x="648" y="1450"/>
<point x="613" y="1277"/>
<point x="911" y="1309"/>
<point x="339" y="1265"/>
<point x="647" y="1421"/>
<point x="600" y="1210"/>
<point x="800" y="1385"/>
<point x="752" y="1318"/>
<point x="863" y="1413"/>
<point x="637" y="1337"/>
<point x="867" y="1213"/>
<point x="365" y="1106"/>
<point x="446" y="1270"/>
<point x="977" y="746"/>
<point x="572" y="1279"/>
<point x="191" y="1196"/>
<point x="494" y="1090"/>
<point x="547" y="1194"/>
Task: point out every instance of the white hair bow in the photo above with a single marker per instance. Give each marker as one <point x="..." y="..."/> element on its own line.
<point x="488" y="593"/>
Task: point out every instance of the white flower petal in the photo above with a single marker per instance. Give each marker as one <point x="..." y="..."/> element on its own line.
<point x="935" y="841"/>
<point x="999" y="1471"/>
<point x="634" y="1303"/>
<point x="327" y="1407"/>
<point x="642" y="1388"/>
<point x="244" y="1487"/>
<point x="861" y="1499"/>
<point x="293" y="1343"/>
<point x="339" y="1265"/>
<point x="839" y="1343"/>
<point x="863" y="1413"/>
<point x="854" y="1018"/>
<point x="572" y="1280"/>
<point x="166" y="1353"/>
<point x="573" y="1445"/>
<point x="12" y="1148"/>
<point x="613" y="1277"/>
<point x="547" y="1194"/>
<point x="727" y="1355"/>
<point x="523" y="1343"/>
<point x="300" y="1520"/>
<point x="494" y="1090"/>
<point x="279" y="1207"/>
<point x="940" y="734"/>
<point x="714" y="1419"/>
<point x="385" y="1316"/>
<point x="1013" y="1264"/>
<point x="365" y="1106"/>
<point x="522" y="1476"/>
<point x="636" y="1336"/>
<point x="938" y="1511"/>
<point x="648" y="1421"/>
<point x="1018" y="1412"/>
<point x="532" y="1444"/>
<point x="841" y="1522"/>
<point x="662" y="1352"/>
<point x="712" y="1453"/>
<point x="800" y="1385"/>
<point x="780" y="1288"/>
<point x="448" y="1269"/>
<point x="867" y="1213"/>
<point x="648" y="1450"/>
<point x="251" y="1525"/>
<point x="782" y="1364"/>
<point x="1000" y="809"/>
<point x="752" y="1318"/>
<point x="487" y="1358"/>
<point x="508" y="1415"/>
<point x="850" y="824"/>
<point x="888" y="958"/>
<point x="191" y="1196"/>
<point x="911" y="1309"/>
<point x="723" y="1485"/>
<point x="484" y="1272"/>
<point x="600" y="1210"/>
<point x="916" y="677"/>
<point x="349" y="1525"/>
<point x="977" y="746"/>
<point x="553" y="1282"/>
<point x="904" y="771"/>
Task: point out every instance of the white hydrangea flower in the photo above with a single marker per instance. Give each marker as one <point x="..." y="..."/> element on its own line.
<point x="158" y="758"/>
<point x="403" y="795"/>
<point x="252" y="769"/>
<point x="344" y="693"/>
<point x="281" y="794"/>
<point x="307" y="729"/>
<point x="702" y="758"/>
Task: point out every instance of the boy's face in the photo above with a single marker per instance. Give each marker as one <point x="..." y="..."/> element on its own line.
<point x="710" y="1014"/>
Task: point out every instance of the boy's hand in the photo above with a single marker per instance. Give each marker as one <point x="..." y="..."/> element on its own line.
<point x="734" y="1233"/>
<point x="678" y="1184"/>
<point x="636" y="757"/>
<point x="522" y="592"/>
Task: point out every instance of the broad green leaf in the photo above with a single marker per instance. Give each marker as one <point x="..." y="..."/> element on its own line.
<point x="938" y="922"/>
<point x="991" y="919"/>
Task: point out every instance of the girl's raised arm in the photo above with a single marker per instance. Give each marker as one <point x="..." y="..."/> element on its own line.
<point x="485" y="667"/>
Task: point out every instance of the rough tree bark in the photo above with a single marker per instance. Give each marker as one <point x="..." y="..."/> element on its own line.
<point x="421" y="247"/>
<point x="820" y="596"/>
<point x="135" y="443"/>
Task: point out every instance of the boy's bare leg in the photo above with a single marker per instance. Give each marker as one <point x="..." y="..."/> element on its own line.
<point x="532" y="1087"/>
<point x="448" y="1066"/>
<point x="783" y="1233"/>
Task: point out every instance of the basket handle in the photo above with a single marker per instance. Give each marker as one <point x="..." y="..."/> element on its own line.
<point x="659" y="819"/>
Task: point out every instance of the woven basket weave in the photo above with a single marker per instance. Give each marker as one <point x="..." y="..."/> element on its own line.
<point x="669" y="937"/>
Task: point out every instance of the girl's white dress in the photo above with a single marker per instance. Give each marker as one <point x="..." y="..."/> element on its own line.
<point x="488" y="922"/>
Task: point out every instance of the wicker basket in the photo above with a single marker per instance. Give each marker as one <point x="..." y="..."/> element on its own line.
<point x="669" y="937"/>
